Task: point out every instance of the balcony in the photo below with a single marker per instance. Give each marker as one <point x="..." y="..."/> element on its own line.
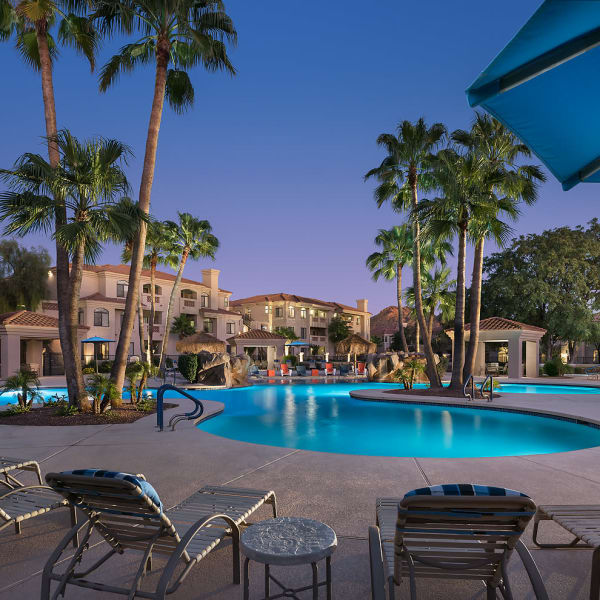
<point x="188" y="305"/>
<point x="157" y="330"/>
<point x="147" y="301"/>
<point x="318" y="339"/>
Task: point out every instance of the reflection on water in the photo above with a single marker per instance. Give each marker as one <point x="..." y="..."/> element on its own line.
<point x="447" y="428"/>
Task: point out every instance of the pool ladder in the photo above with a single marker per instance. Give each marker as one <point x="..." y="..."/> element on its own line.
<point x="194" y="414"/>
<point x="471" y="396"/>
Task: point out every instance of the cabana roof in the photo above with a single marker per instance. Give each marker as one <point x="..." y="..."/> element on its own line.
<point x="199" y="342"/>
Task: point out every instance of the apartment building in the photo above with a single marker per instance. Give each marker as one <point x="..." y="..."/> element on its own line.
<point x="308" y="317"/>
<point x="103" y="292"/>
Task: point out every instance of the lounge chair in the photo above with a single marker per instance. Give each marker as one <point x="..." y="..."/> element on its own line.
<point x="329" y="369"/>
<point x="253" y="371"/>
<point x="583" y="521"/>
<point x="360" y="368"/>
<point x="22" y="502"/>
<point x="301" y="371"/>
<point x="127" y="512"/>
<point x="344" y="369"/>
<point x="285" y="371"/>
<point x="451" y="531"/>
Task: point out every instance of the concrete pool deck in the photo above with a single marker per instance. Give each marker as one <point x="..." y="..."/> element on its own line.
<point x="335" y="488"/>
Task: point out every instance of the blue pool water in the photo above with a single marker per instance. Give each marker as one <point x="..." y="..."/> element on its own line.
<point x="325" y="418"/>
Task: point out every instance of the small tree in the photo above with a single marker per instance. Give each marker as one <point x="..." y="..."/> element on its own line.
<point x="188" y="366"/>
<point x="26" y="383"/>
<point x="287" y="332"/>
<point x="102" y="391"/>
<point x="376" y="339"/>
<point x="338" y="330"/>
<point x="137" y="374"/>
<point x="183" y="326"/>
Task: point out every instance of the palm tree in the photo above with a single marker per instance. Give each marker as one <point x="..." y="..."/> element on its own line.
<point x="489" y="139"/>
<point x="405" y="170"/>
<point x="465" y="181"/>
<point x="87" y="183"/>
<point x="397" y="251"/>
<point x="190" y="238"/>
<point x="438" y="295"/>
<point x="26" y="383"/>
<point x="183" y="326"/>
<point x="181" y="34"/>
<point x="102" y="391"/>
<point x="30" y="22"/>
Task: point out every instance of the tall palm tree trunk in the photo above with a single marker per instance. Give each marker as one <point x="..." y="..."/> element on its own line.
<point x="400" y="311"/>
<point x="475" y="311"/>
<point x="73" y="311"/>
<point x="140" y="311"/>
<point x="165" y="340"/>
<point x="152" y="308"/>
<point x="137" y="255"/>
<point x="417" y="336"/>
<point x="431" y="370"/>
<point x="430" y="324"/>
<point x="62" y="256"/>
<point x="458" y="354"/>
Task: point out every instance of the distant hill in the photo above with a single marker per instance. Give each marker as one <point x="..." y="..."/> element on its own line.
<point x="386" y="321"/>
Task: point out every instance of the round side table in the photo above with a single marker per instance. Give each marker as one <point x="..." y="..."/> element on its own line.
<point x="289" y="541"/>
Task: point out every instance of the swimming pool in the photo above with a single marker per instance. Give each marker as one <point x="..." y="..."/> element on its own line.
<point x="325" y="418"/>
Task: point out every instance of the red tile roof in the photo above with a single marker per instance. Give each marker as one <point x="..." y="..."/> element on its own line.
<point x="124" y="270"/>
<point x="500" y="323"/>
<point x="98" y="297"/>
<point x="256" y="334"/>
<point x="26" y="318"/>
<point x="283" y="297"/>
<point x="49" y="305"/>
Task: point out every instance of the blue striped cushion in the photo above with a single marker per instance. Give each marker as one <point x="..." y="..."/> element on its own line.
<point x="464" y="489"/>
<point x="143" y="485"/>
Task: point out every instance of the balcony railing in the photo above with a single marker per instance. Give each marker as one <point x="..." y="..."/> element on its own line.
<point x="187" y="305"/>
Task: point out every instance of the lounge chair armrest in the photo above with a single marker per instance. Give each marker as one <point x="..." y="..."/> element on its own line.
<point x="28" y="487"/>
<point x="376" y="560"/>
<point x="532" y="571"/>
<point x="141" y="476"/>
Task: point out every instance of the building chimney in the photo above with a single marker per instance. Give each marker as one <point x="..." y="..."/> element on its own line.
<point x="362" y="305"/>
<point x="210" y="278"/>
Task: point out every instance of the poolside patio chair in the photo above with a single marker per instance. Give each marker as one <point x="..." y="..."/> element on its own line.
<point x="583" y="521"/>
<point x="455" y="531"/>
<point x="253" y="371"/>
<point x="329" y="369"/>
<point x="127" y="512"/>
<point x="301" y="371"/>
<point x="285" y="371"/>
<point x="22" y="502"/>
<point x="360" y="368"/>
<point x="344" y="369"/>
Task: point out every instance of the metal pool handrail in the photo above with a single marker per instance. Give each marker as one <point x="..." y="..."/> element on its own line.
<point x="194" y="414"/>
<point x="470" y="396"/>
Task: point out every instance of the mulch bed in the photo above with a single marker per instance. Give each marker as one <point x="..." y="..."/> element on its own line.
<point x="47" y="416"/>
<point x="445" y="393"/>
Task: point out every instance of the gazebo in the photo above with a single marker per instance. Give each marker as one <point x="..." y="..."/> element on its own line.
<point x="523" y="345"/>
<point x="355" y="344"/>
<point x="258" y="338"/>
<point x="201" y="341"/>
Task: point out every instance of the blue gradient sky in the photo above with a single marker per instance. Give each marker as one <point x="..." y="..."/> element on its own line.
<point x="274" y="157"/>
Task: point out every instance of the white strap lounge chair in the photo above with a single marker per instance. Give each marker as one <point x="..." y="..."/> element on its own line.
<point x="22" y="502"/>
<point x="127" y="512"/>
<point x="584" y="523"/>
<point x="455" y="531"/>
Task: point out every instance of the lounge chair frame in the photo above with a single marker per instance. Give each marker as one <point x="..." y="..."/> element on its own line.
<point x="128" y="519"/>
<point x="583" y="521"/>
<point x="450" y="537"/>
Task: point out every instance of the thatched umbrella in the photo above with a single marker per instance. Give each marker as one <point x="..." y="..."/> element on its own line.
<point x="198" y="342"/>
<point x="355" y="344"/>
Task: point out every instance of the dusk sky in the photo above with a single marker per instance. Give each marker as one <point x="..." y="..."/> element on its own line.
<point x="274" y="158"/>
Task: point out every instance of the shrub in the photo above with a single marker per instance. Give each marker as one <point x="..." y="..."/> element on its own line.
<point x="14" y="409"/>
<point x="105" y="367"/>
<point x="556" y="367"/>
<point x="291" y="358"/>
<point x="442" y="366"/>
<point x="65" y="410"/>
<point x="188" y="366"/>
<point x="88" y="370"/>
<point x="169" y="362"/>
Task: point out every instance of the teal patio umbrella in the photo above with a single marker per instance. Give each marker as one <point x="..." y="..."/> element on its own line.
<point x="545" y="87"/>
<point x="96" y="340"/>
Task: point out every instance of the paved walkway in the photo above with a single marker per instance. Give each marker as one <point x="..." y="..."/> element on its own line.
<point x="337" y="489"/>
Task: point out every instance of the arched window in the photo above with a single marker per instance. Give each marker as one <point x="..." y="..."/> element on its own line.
<point x="157" y="290"/>
<point x="122" y="287"/>
<point x="204" y="301"/>
<point x="101" y="317"/>
<point x="189" y="294"/>
<point x="147" y="287"/>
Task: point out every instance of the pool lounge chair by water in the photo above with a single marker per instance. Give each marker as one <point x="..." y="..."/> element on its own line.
<point x="127" y="512"/>
<point x="301" y="370"/>
<point x="455" y="531"/>
<point x="285" y="371"/>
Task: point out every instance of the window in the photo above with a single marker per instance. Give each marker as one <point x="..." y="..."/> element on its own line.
<point x="204" y="301"/>
<point x="101" y="317"/>
<point x="264" y="328"/>
<point x="303" y="313"/>
<point x="230" y="328"/>
<point x="147" y="287"/>
<point x="208" y="325"/>
<point x="268" y="309"/>
<point x="291" y="312"/>
<point x="313" y="312"/>
<point x="188" y="294"/>
<point x="81" y="317"/>
<point x="158" y="317"/>
<point x="279" y="312"/>
<point x="122" y="287"/>
<point x="358" y="320"/>
<point x="303" y="332"/>
<point x="226" y="302"/>
<point x="322" y="314"/>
